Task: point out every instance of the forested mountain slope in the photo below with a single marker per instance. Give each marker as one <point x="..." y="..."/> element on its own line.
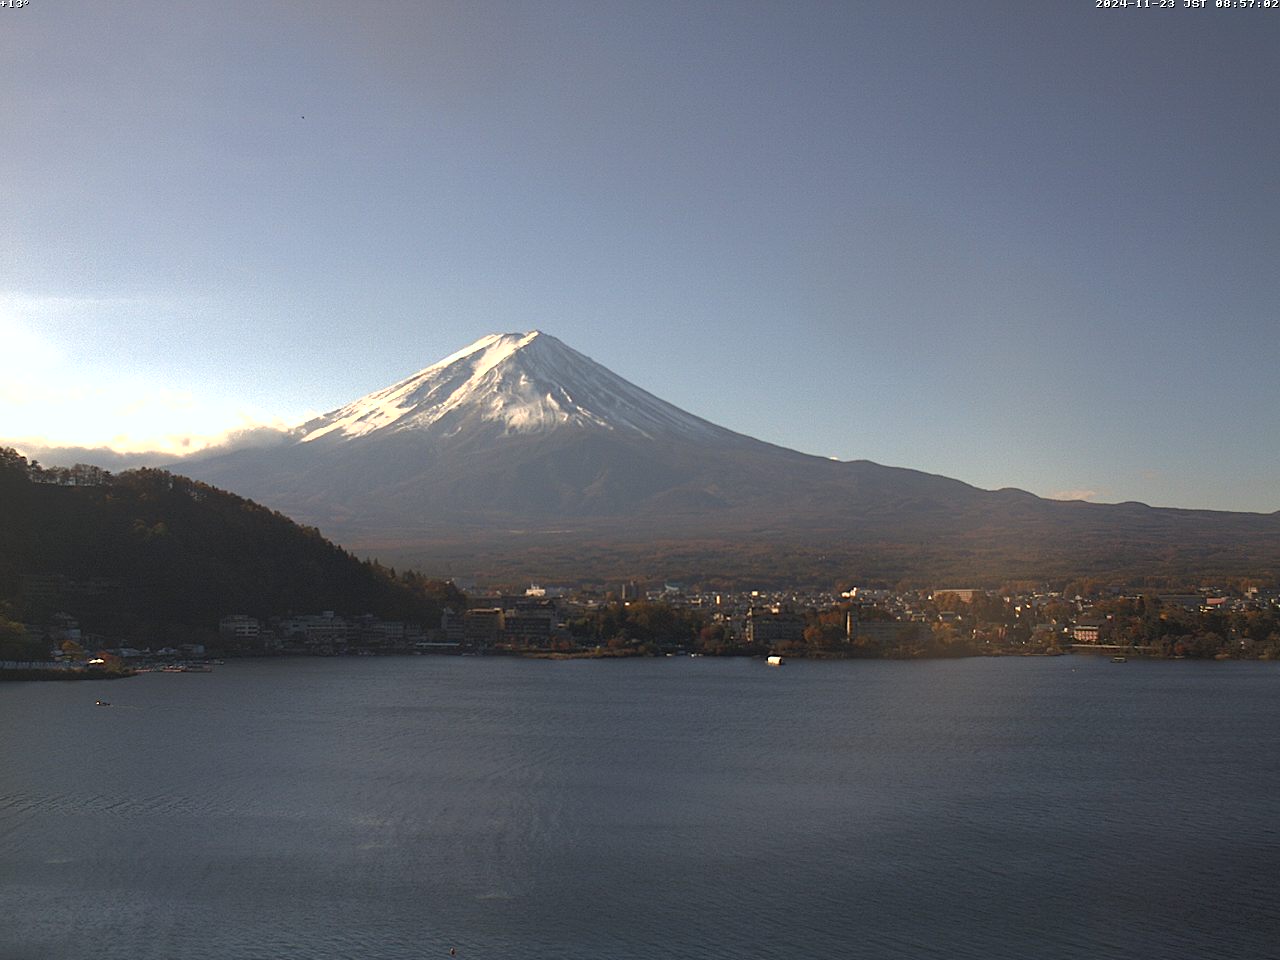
<point x="149" y="556"/>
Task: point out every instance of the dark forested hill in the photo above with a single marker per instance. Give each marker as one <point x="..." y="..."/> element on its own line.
<point x="151" y="556"/>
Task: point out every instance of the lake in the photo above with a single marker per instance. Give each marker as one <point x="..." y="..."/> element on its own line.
<point x="674" y="808"/>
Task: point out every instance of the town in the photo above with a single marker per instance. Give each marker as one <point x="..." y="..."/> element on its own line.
<point x="1233" y="621"/>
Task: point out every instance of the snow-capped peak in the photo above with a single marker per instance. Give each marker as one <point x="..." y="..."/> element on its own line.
<point x="518" y="383"/>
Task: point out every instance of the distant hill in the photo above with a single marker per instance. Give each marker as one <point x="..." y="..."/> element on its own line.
<point x="152" y="557"/>
<point x="518" y="457"/>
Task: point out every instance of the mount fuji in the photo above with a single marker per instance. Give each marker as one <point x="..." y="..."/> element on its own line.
<point x="508" y="385"/>
<point x="519" y="456"/>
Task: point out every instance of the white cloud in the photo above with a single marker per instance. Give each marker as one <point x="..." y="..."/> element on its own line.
<point x="1073" y="495"/>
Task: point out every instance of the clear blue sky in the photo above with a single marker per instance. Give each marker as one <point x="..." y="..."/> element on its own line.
<point x="1020" y="244"/>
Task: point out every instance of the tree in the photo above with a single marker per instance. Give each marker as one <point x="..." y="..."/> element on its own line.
<point x="824" y="636"/>
<point x="15" y="644"/>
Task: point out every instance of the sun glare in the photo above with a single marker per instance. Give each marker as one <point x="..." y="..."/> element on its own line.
<point x="52" y="398"/>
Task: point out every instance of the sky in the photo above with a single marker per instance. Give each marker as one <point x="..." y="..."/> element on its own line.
<point x="1028" y="245"/>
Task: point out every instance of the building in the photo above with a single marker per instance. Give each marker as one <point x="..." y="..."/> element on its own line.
<point x="530" y="628"/>
<point x="452" y="626"/>
<point x="239" y="628"/>
<point x="769" y="625"/>
<point x="326" y="630"/>
<point x="374" y="633"/>
<point x="483" y="626"/>
<point x="884" y="632"/>
<point x="1086" y="631"/>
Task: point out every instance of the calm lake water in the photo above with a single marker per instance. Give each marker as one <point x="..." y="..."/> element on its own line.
<point x="674" y="808"/>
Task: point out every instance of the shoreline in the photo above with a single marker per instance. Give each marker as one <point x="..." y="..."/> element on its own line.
<point x="38" y="674"/>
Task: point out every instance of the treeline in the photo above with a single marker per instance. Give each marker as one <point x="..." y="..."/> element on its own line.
<point x="1176" y="631"/>
<point x="79" y="475"/>
<point x="147" y="557"/>
<point x="645" y="626"/>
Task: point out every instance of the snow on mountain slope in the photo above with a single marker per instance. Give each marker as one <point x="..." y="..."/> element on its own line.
<point x="516" y="383"/>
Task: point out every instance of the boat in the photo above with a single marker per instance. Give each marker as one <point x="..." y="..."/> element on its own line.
<point x="101" y="703"/>
<point x="1119" y="659"/>
<point x="776" y="661"/>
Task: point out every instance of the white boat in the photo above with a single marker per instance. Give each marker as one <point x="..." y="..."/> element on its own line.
<point x="776" y="661"/>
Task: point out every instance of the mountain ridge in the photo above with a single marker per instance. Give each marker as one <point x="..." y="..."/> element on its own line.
<point x="520" y="454"/>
